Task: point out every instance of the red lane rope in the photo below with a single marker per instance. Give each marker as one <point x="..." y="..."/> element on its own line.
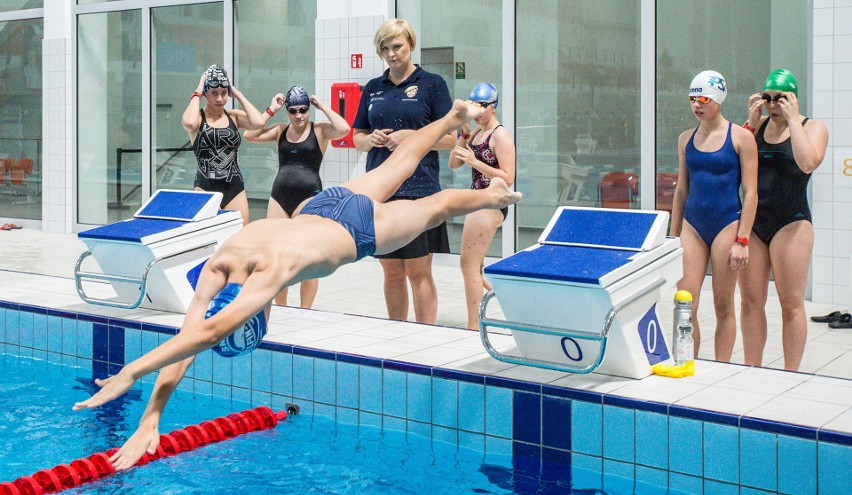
<point x="97" y="465"/>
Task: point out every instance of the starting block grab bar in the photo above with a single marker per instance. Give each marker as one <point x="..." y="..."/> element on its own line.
<point x="485" y="322"/>
<point x="142" y="282"/>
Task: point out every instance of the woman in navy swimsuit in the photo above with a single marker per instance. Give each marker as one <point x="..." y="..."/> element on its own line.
<point x="490" y="152"/>
<point x="301" y="146"/>
<point x="790" y="147"/>
<point x="716" y="160"/>
<point x="213" y="132"/>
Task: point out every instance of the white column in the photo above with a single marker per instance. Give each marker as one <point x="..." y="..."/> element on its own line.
<point x="58" y="117"/>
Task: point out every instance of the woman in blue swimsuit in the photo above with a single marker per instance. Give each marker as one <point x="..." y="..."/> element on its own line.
<point x="215" y="137"/>
<point x="790" y="147"/>
<point x="716" y="160"/>
<point x="301" y="147"/>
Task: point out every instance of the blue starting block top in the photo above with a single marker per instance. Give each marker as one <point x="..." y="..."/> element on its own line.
<point x="577" y="264"/>
<point x="166" y="214"/>
<point x="590" y="246"/>
<point x="189" y="206"/>
<point x="608" y="228"/>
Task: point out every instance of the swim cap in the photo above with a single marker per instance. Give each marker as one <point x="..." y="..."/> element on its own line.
<point x="781" y="80"/>
<point x="485" y="92"/>
<point x="217" y="77"/>
<point x="245" y="338"/>
<point x="710" y="84"/>
<point x="297" y="96"/>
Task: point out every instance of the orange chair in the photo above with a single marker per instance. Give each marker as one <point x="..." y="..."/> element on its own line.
<point x="26" y="165"/>
<point x="5" y="165"/>
<point x="666" y="184"/>
<point x="618" y="190"/>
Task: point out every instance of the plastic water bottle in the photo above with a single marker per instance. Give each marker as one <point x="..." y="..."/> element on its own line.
<point x="684" y="346"/>
<point x="681" y="321"/>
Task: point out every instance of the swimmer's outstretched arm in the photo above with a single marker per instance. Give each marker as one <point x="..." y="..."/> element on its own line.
<point x="194" y="336"/>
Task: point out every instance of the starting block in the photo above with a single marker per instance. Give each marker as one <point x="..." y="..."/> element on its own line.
<point x="585" y="297"/>
<point x="153" y="259"/>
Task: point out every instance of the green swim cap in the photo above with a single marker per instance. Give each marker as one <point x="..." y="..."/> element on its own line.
<point x="781" y="80"/>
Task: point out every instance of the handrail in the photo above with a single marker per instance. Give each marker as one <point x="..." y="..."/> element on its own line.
<point x="119" y="152"/>
<point x="601" y="337"/>
<point x="142" y="281"/>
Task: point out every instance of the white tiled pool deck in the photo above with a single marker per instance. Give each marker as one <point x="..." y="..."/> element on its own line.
<point x="37" y="268"/>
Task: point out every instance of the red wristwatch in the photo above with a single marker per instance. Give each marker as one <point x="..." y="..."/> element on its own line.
<point x="742" y="240"/>
<point x="193" y="95"/>
<point x="270" y="112"/>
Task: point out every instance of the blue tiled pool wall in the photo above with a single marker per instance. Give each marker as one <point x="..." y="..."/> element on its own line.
<point x="597" y="441"/>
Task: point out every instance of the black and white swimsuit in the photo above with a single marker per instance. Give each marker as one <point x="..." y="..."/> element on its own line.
<point x="216" y="152"/>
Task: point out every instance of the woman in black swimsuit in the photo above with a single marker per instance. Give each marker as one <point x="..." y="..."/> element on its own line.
<point x="301" y="146"/>
<point x="789" y="148"/>
<point x="215" y="137"/>
<point x="489" y="151"/>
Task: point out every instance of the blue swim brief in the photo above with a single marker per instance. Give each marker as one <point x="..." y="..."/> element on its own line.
<point x="354" y="212"/>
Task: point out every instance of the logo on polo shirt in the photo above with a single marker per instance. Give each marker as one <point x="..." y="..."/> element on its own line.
<point x="411" y="91"/>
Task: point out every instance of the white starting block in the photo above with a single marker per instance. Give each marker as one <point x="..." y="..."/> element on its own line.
<point x="153" y="260"/>
<point x="585" y="298"/>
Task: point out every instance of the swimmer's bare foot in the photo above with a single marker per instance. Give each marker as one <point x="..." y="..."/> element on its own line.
<point x="466" y="111"/>
<point x="503" y="196"/>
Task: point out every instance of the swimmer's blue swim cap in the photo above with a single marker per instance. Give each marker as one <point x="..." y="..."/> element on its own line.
<point x="217" y="77"/>
<point x="297" y="96"/>
<point x="245" y="338"/>
<point x="485" y="92"/>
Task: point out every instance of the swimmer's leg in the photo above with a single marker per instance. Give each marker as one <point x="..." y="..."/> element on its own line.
<point x="380" y="183"/>
<point x="397" y="223"/>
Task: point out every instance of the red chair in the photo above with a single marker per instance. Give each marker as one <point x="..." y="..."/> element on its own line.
<point x="666" y="184"/>
<point x="618" y="190"/>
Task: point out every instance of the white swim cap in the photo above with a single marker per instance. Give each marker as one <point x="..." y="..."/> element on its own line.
<point x="710" y="84"/>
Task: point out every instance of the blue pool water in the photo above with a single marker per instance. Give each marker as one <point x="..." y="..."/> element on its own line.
<point x="303" y="454"/>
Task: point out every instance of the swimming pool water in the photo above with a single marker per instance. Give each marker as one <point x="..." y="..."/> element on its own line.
<point x="304" y="454"/>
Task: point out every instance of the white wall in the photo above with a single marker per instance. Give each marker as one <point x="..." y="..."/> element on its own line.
<point x="831" y="86"/>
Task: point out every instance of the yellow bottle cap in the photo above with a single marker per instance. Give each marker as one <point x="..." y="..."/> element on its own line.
<point x="683" y="296"/>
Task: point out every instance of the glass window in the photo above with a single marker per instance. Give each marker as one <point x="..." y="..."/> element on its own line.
<point x="756" y="42"/>
<point x="109" y="120"/>
<point x="20" y="118"/>
<point x="186" y="40"/>
<point x="467" y="35"/>
<point x="274" y="49"/>
<point x="15" y="5"/>
<point x="577" y="108"/>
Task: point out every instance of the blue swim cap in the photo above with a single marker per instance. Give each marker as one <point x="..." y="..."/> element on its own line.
<point x="217" y="77"/>
<point x="245" y="338"/>
<point x="297" y="96"/>
<point x="485" y="92"/>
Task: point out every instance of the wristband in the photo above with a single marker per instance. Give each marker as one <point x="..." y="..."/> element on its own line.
<point x="270" y="112"/>
<point x="742" y="240"/>
<point x="748" y="127"/>
<point x="464" y="136"/>
<point x="193" y="95"/>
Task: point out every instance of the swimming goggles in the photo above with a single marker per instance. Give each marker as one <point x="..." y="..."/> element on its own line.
<point x="700" y="99"/>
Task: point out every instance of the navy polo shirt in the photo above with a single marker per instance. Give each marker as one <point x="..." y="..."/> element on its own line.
<point x="412" y="104"/>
